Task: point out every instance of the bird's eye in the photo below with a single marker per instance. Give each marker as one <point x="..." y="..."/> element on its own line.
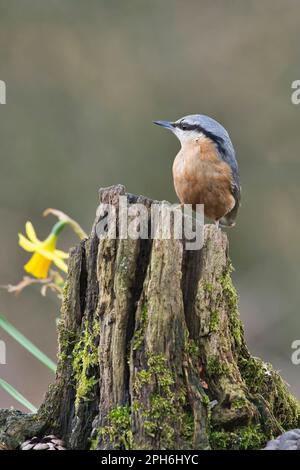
<point x="183" y="126"/>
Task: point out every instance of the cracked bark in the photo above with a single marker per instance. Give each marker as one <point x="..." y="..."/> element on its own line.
<point x="152" y="352"/>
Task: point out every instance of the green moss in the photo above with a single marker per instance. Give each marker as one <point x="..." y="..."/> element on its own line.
<point x="205" y="400"/>
<point x="238" y="403"/>
<point x="140" y="332"/>
<point x="117" y="431"/>
<point x="165" y="415"/>
<point x="67" y="340"/>
<point x="286" y="408"/>
<point x="144" y="314"/>
<point x="190" y="347"/>
<point x="143" y="377"/>
<point x="231" y="297"/>
<point x="207" y="287"/>
<point x="214" y="321"/>
<point x="156" y="421"/>
<point x="215" y="367"/>
<point x="156" y="368"/>
<point x="255" y="373"/>
<point x="262" y="380"/>
<point x="245" y="438"/>
<point x="66" y="296"/>
<point x="95" y="440"/>
<point x="188" y="427"/>
<point x="138" y="339"/>
<point x="85" y="357"/>
<point x="135" y="406"/>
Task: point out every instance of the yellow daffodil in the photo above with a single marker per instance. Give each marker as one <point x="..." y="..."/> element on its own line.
<point x="44" y="252"/>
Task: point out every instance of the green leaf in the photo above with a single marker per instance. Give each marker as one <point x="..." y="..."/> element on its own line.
<point x="17" y="396"/>
<point x="36" y="352"/>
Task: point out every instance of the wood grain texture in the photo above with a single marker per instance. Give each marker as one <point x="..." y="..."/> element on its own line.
<point x="152" y="352"/>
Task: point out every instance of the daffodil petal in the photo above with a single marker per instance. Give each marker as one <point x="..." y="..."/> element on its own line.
<point x="61" y="254"/>
<point x="45" y="253"/>
<point x="26" y="244"/>
<point x="44" y="268"/>
<point x="31" y="233"/>
<point x="30" y="267"/>
<point x="38" y="266"/>
<point x="60" y="264"/>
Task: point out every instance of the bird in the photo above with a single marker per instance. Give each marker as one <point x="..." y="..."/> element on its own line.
<point x="205" y="170"/>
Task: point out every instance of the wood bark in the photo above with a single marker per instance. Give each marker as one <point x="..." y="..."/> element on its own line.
<point x="152" y="353"/>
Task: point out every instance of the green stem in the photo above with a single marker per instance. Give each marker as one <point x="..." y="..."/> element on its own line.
<point x="36" y="352"/>
<point x="17" y="395"/>
<point x="58" y="227"/>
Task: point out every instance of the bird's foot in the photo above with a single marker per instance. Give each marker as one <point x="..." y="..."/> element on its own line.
<point x="179" y="206"/>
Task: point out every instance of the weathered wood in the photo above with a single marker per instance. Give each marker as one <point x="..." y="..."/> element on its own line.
<point x="152" y="352"/>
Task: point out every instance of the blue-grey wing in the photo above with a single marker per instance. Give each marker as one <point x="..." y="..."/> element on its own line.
<point x="227" y="154"/>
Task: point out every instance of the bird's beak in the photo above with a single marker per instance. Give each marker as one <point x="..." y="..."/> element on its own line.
<point x="166" y="124"/>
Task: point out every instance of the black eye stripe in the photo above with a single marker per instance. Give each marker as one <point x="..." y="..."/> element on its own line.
<point x="186" y="126"/>
<point x="219" y="141"/>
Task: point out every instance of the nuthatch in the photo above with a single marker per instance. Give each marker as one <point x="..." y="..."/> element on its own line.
<point x="205" y="170"/>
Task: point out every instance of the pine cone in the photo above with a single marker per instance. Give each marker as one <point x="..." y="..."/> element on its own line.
<point x="288" y="441"/>
<point x="45" y="443"/>
<point x="3" y="446"/>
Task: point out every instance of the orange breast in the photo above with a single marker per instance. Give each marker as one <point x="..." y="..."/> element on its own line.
<point x="201" y="177"/>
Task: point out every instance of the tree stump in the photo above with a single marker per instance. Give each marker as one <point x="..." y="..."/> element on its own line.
<point x="152" y="352"/>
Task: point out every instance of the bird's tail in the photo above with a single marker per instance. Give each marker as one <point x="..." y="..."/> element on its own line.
<point x="229" y="219"/>
<point x="227" y="222"/>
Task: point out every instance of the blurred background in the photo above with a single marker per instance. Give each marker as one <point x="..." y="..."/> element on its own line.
<point x="84" y="82"/>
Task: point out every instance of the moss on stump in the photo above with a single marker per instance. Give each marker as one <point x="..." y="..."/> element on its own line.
<point x="152" y="353"/>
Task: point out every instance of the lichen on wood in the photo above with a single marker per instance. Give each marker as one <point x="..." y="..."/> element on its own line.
<point x="152" y="353"/>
